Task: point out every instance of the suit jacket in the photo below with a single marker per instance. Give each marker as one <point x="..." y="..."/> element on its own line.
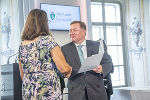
<point x="108" y="84"/>
<point x="93" y="81"/>
<point x="107" y="78"/>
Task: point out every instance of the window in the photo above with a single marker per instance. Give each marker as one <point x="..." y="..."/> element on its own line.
<point x="106" y="24"/>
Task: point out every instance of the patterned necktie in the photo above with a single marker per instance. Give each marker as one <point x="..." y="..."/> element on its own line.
<point x="80" y="53"/>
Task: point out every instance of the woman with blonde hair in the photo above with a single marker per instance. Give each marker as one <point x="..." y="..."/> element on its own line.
<point x="40" y="60"/>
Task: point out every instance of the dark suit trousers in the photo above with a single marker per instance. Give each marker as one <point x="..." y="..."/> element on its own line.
<point x="108" y="96"/>
<point x="86" y="95"/>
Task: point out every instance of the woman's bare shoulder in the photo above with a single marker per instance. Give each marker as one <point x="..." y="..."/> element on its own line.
<point x="27" y="42"/>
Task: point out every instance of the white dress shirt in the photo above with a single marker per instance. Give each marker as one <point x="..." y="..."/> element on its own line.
<point x="84" y="49"/>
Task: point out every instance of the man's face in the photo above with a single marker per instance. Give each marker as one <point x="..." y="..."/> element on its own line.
<point x="76" y="33"/>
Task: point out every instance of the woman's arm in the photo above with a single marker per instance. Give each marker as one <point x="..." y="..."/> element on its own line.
<point x="21" y="70"/>
<point x="60" y="61"/>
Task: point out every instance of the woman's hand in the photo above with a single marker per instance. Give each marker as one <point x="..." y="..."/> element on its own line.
<point x="68" y="74"/>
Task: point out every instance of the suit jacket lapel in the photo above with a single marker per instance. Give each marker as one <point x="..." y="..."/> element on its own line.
<point x="89" y="49"/>
<point x="75" y="53"/>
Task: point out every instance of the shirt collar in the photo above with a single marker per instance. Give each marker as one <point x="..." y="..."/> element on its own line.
<point x="83" y="43"/>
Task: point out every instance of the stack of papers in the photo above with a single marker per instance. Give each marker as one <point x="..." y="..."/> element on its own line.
<point x="90" y="63"/>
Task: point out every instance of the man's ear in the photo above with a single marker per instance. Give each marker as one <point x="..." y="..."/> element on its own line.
<point x="84" y="31"/>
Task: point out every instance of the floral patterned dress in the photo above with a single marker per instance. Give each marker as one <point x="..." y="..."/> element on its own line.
<point x="41" y="77"/>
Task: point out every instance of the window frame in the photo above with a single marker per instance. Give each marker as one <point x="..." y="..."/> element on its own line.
<point x="104" y="24"/>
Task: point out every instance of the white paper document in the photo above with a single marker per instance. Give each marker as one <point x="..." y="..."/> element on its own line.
<point x="90" y="63"/>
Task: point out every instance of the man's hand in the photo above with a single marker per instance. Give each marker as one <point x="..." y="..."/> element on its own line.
<point x="98" y="69"/>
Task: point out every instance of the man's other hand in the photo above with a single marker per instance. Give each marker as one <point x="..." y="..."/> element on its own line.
<point x="98" y="69"/>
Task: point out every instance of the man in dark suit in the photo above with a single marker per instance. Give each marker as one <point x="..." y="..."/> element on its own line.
<point x="87" y="85"/>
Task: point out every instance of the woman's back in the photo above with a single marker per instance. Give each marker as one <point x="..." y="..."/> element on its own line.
<point x="41" y="80"/>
